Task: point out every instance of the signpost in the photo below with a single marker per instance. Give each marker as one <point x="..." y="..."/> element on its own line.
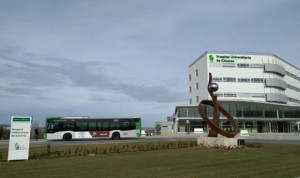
<point x="19" y="138"/>
<point x="188" y="125"/>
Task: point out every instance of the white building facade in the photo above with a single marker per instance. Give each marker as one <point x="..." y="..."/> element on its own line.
<point x="261" y="91"/>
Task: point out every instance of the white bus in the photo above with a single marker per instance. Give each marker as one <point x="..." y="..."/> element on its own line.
<point x="68" y="128"/>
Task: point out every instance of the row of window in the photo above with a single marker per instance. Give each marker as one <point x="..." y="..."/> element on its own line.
<point x="90" y="126"/>
<point x="230" y="79"/>
<point x="294" y="100"/>
<point x="241" y="80"/>
<point x="292" y="75"/>
<point x="239" y="65"/>
<point x="242" y="65"/>
<point x="248" y="80"/>
<point x="244" y="110"/>
<point x="250" y="65"/>
<point x="242" y="95"/>
<point x="236" y="65"/>
<point x="247" y="95"/>
<point x="292" y="87"/>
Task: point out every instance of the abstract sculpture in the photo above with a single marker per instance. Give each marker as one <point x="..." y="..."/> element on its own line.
<point x="214" y="124"/>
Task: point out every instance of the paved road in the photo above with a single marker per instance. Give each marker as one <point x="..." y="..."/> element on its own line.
<point x="260" y="139"/>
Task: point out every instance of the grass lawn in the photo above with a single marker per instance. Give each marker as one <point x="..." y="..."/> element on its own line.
<point x="271" y="160"/>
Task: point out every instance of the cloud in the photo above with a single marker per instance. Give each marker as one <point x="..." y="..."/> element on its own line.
<point x="29" y="74"/>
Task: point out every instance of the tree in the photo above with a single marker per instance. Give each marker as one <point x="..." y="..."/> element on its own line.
<point x="4" y="133"/>
<point x="1" y="133"/>
<point x="158" y="129"/>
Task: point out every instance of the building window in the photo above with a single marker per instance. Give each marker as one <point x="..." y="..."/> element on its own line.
<point x="182" y="112"/>
<point x="257" y="95"/>
<point x="229" y="79"/>
<point x="243" y="65"/>
<point x="244" y="80"/>
<point x="197" y="86"/>
<point x="190" y="100"/>
<point x="219" y="94"/>
<point x="197" y="99"/>
<point x="257" y="80"/>
<point x="229" y="94"/>
<point x="190" y="89"/>
<point x="229" y="65"/>
<point x="190" y="77"/>
<point x="256" y="66"/>
<point x="196" y="73"/>
<point x="217" y="79"/>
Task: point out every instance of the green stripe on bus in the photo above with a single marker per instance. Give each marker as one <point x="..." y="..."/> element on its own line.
<point x="53" y="117"/>
<point x="45" y="136"/>
<point x="138" y="127"/>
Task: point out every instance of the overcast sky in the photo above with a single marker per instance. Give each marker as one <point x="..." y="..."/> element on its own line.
<point x="126" y="58"/>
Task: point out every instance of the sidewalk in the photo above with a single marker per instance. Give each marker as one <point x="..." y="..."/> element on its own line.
<point x="276" y="136"/>
<point x="271" y="136"/>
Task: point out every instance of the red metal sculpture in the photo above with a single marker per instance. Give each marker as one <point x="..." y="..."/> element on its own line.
<point x="214" y="124"/>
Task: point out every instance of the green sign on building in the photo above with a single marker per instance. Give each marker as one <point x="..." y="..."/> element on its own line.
<point x="227" y="58"/>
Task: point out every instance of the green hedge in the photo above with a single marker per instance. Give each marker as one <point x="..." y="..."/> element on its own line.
<point x="81" y="150"/>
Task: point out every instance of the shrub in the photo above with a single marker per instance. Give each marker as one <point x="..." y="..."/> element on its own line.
<point x="4" y="134"/>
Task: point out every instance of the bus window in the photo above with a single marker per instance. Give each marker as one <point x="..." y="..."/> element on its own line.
<point x="92" y="126"/>
<point x="114" y="125"/>
<point x="126" y="125"/>
<point x="81" y="126"/>
<point x="52" y="127"/>
<point x="67" y="126"/>
<point x="99" y="125"/>
<point x="132" y="126"/>
<point x="105" y="126"/>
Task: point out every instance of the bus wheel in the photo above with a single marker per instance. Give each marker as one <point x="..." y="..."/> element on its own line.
<point x="67" y="137"/>
<point x="115" y="136"/>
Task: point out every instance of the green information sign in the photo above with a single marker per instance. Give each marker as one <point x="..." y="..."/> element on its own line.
<point x="18" y="148"/>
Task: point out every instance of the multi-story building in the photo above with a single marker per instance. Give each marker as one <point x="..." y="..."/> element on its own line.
<point x="260" y="90"/>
